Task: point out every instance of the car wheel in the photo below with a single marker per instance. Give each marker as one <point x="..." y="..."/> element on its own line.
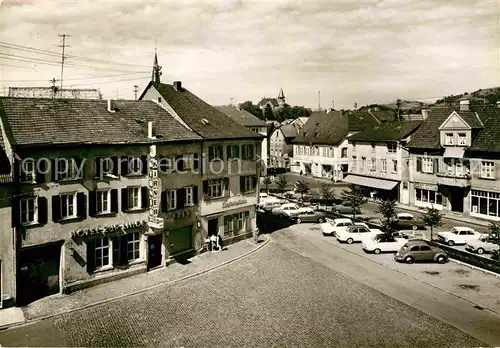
<point x="409" y="259"/>
<point x="451" y="243"/>
<point x="376" y="251"/>
<point x="414" y="227"/>
<point x="282" y="216"/>
<point x="350" y="241"/>
<point x="321" y="220"/>
<point x="299" y="221"/>
<point x="480" y="251"/>
<point x="441" y="259"/>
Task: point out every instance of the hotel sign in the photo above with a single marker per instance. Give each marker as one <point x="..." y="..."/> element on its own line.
<point x="154" y="186"/>
<point x="104" y="230"/>
<point x="429" y="187"/>
<point x="230" y="204"/>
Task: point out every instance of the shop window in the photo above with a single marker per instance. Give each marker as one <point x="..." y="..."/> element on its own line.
<point x="427" y="196"/>
<point x="101" y="253"/>
<point x="485" y="203"/>
<point x="133" y="246"/>
<point x="235" y="223"/>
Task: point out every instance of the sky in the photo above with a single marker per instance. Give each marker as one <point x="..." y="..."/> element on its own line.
<point x="320" y="52"/>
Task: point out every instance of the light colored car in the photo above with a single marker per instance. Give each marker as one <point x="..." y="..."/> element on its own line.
<point x="419" y="250"/>
<point x="287" y="209"/>
<point x="270" y="204"/>
<point x="383" y="243"/>
<point x="328" y="228"/>
<point x="483" y="244"/>
<point x="458" y="235"/>
<point x="309" y="215"/>
<point x="263" y="196"/>
<point x="355" y="233"/>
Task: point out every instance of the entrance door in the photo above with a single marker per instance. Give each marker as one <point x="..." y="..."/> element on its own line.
<point x="179" y="240"/>
<point x="213" y="226"/>
<point x="154" y="250"/>
<point x="38" y="274"/>
<point x="457" y="199"/>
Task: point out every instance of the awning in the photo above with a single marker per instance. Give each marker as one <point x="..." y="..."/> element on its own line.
<point x="454" y="152"/>
<point x="370" y="182"/>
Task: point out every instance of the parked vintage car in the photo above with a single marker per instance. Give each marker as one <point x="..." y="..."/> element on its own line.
<point x="420" y="250"/>
<point x="406" y="221"/>
<point x="268" y="205"/>
<point x="355" y="233"/>
<point x="328" y="228"/>
<point x="342" y="209"/>
<point x="287" y="210"/>
<point x="309" y="215"/>
<point x="484" y="244"/>
<point x="459" y="235"/>
<point x="383" y="243"/>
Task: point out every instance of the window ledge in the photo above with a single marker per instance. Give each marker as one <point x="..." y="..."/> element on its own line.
<point x="30" y="224"/>
<point x="70" y="219"/>
<point x="134" y="175"/>
<point x="106" y="214"/>
<point x="136" y="262"/>
<point x="103" y="269"/>
<point x="136" y="210"/>
<point x="486" y="178"/>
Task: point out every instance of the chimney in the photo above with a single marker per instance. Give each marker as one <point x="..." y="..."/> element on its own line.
<point x="464" y="105"/>
<point x="425" y="114"/>
<point x="177" y="86"/>
<point x="110" y="106"/>
<point x="150" y="130"/>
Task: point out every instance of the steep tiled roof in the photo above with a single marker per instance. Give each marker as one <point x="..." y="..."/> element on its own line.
<point x="427" y="136"/>
<point x="388" y="131"/>
<point x="382" y="115"/>
<point x="203" y="118"/>
<point x="30" y="121"/>
<point x="489" y="138"/>
<point x="241" y="116"/>
<point x="290" y="131"/>
<point x="331" y="128"/>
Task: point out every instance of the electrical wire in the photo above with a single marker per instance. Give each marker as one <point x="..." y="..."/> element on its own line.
<point x="80" y="78"/>
<point x="99" y="83"/>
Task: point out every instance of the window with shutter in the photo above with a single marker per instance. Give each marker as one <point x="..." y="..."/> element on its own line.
<point x="196" y="161"/>
<point x="114" y="201"/>
<point x="92" y="203"/>
<point x="124" y="196"/>
<point x="42" y="210"/>
<point x="419" y="164"/>
<point x="144" y="165"/>
<point x="164" y="204"/>
<point x="56" y="208"/>
<point x="171" y="199"/>
<point x="81" y="205"/>
<point x="195" y="195"/>
<point x="144" y="198"/>
<point x="124" y="167"/>
<point x="180" y="198"/>
<point x="179" y="160"/>
<point x="41" y="171"/>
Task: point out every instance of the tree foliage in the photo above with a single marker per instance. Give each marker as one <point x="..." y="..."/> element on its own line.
<point x="267" y="181"/>
<point x="388" y="210"/>
<point x="302" y="187"/>
<point x="433" y="218"/>
<point x="252" y="108"/>
<point x="353" y="198"/>
<point x="281" y="183"/>
<point x="268" y="113"/>
<point x="326" y="194"/>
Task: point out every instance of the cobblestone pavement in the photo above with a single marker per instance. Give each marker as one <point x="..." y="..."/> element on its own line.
<point x="275" y="297"/>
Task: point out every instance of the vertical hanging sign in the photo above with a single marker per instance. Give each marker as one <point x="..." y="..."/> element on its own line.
<point x="154" y="186"/>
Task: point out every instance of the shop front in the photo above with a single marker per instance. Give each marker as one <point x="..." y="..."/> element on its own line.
<point x="428" y="195"/>
<point x="375" y="187"/>
<point x="485" y="204"/>
<point x="103" y="253"/>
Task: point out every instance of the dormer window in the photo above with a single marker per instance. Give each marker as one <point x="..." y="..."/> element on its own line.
<point x="448" y="139"/>
<point x="462" y="139"/>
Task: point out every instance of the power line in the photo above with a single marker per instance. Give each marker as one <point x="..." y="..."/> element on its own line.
<point x="129" y="79"/>
<point x="81" y="78"/>
<point x="50" y="53"/>
<point x="62" y="55"/>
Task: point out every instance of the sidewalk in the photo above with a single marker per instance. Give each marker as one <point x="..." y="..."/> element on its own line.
<point x="449" y="215"/>
<point x="60" y="303"/>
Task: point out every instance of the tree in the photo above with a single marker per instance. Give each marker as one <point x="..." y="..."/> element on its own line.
<point x="353" y="198"/>
<point x="388" y="210"/>
<point x="267" y="181"/>
<point x="433" y="218"/>
<point x="326" y="194"/>
<point x="268" y="113"/>
<point x="281" y="183"/>
<point x="494" y="228"/>
<point x="302" y="188"/>
<point x="252" y="108"/>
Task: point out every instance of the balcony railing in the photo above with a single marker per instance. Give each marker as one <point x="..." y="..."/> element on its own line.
<point x="454" y="179"/>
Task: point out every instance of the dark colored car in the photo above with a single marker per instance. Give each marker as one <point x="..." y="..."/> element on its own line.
<point x="404" y="221"/>
<point x="342" y="209"/>
<point x="420" y="250"/>
<point x="309" y="215"/>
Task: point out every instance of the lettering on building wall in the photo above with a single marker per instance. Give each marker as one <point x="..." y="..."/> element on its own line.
<point x="426" y="187"/>
<point x="154" y="186"/>
<point x="104" y="230"/>
<point x="181" y="215"/>
<point x="230" y="204"/>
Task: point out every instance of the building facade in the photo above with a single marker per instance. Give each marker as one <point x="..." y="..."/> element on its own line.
<point x="454" y="160"/>
<point x="82" y="199"/>
<point x="230" y="168"/>
<point x="379" y="160"/>
<point x="280" y="146"/>
<point x="321" y="148"/>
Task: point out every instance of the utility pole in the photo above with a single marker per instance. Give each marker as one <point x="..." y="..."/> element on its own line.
<point x="398" y="104"/>
<point x="54" y="88"/>
<point x="64" y="36"/>
<point x="136" y="89"/>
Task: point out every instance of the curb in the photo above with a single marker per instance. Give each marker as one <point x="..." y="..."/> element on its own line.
<point x="420" y="280"/>
<point x="98" y="303"/>
<point x="475" y="267"/>
<point x="445" y="216"/>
